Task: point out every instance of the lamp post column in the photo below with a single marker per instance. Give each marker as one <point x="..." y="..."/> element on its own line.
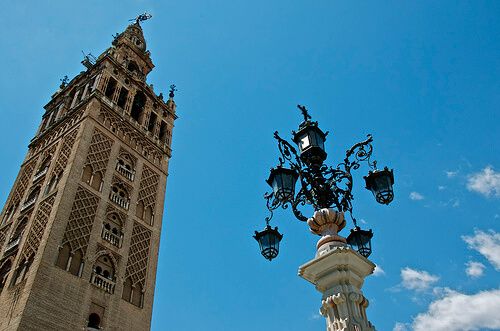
<point x="338" y="272"/>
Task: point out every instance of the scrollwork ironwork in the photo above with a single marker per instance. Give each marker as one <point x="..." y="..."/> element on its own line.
<point x="321" y="186"/>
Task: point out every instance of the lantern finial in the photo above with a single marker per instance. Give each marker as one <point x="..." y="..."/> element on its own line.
<point x="305" y="113"/>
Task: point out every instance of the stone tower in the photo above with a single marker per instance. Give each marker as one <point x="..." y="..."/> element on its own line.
<point x="80" y="231"/>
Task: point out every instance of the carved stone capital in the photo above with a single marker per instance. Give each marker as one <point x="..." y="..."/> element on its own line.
<point x="326" y="219"/>
<point x="355" y="297"/>
<point x="326" y="223"/>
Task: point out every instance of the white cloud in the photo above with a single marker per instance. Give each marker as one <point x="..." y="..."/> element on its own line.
<point x="441" y="187"/>
<point x="416" y="196"/>
<point x="453" y="202"/>
<point x="456" y="311"/>
<point x="400" y="327"/>
<point x="485" y="182"/>
<point x="474" y="269"/>
<point x="451" y="174"/>
<point x="378" y="271"/>
<point x="486" y="243"/>
<point x="417" y="280"/>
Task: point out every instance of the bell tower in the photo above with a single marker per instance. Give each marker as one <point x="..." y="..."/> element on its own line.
<point x="80" y="230"/>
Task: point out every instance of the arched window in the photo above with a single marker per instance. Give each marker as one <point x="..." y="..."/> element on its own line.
<point x="42" y="170"/>
<point x="104" y="267"/>
<point x="138" y="106"/>
<point x="9" y="213"/>
<point x="18" y="232"/>
<point x="94" y="321"/>
<point x="45" y="163"/>
<point x="53" y="182"/>
<point x="122" y="97"/>
<point x="110" y="88"/>
<point x="152" y="121"/>
<point x="132" y="66"/>
<point x="119" y="195"/>
<point x="103" y="274"/>
<point x="63" y="257"/>
<point x="148" y="215"/>
<point x="30" y="200"/>
<point x="125" y="166"/>
<point x="4" y="273"/>
<point x="17" y="235"/>
<point x="137" y="295"/>
<point x="127" y="290"/>
<point x="96" y="181"/>
<point x="34" y="193"/>
<point x="45" y="120"/>
<point x="22" y="270"/>
<point x="70" y="98"/>
<point x="139" y="210"/>
<point x="87" y="174"/>
<point x="112" y="230"/>
<point x="76" y="264"/>
<point x="163" y="131"/>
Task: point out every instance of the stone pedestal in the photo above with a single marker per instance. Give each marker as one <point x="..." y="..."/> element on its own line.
<point x="338" y="272"/>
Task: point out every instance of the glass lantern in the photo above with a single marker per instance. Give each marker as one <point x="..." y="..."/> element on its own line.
<point x="282" y="180"/>
<point x="380" y="183"/>
<point x="269" y="242"/>
<point x="361" y="241"/>
<point x="311" y="142"/>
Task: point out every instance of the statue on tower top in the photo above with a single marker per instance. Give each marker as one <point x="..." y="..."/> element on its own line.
<point x="141" y="18"/>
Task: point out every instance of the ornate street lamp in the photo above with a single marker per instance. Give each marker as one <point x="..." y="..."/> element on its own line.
<point x="380" y="183"/>
<point x="269" y="241"/>
<point x="327" y="189"/>
<point x="282" y="181"/>
<point x="310" y="140"/>
<point x="361" y="241"/>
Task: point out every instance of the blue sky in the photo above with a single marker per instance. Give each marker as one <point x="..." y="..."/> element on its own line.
<point x="421" y="76"/>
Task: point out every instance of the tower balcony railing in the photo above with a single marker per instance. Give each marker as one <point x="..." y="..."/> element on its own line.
<point x="130" y="174"/>
<point x="119" y="200"/>
<point x="13" y="244"/>
<point x="112" y="238"/>
<point x="40" y="174"/>
<point x="28" y="203"/>
<point x="103" y="283"/>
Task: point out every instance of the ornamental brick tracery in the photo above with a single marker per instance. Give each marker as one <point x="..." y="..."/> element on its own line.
<point x="99" y="151"/>
<point x="80" y="221"/>
<point x="64" y="153"/>
<point x="138" y="255"/>
<point x="37" y="228"/>
<point x="131" y="135"/>
<point x="24" y="181"/>
<point x="3" y="235"/>
<point x="148" y="188"/>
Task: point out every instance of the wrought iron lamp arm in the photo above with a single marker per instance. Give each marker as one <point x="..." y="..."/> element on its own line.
<point x="301" y="198"/>
<point x="362" y="151"/>
<point x="288" y="152"/>
<point x="343" y="195"/>
<point x="359" y="152"/>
